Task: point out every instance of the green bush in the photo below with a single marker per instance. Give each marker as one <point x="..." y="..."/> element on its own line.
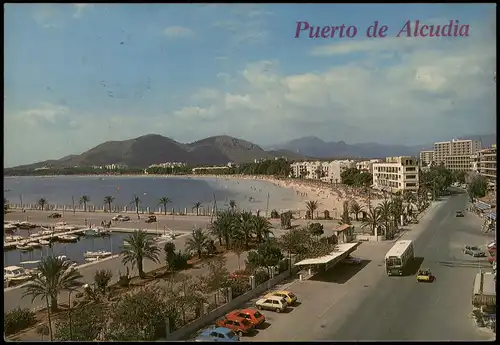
<point x="18" y="319"/>
<point x="275" y="214"/>
<point x="260" y="277"/>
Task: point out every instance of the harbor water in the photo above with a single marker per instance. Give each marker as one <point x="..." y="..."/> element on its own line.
<point x="74" y="251"/>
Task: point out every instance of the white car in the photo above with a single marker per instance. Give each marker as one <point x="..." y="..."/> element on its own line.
<point x="120" y="218"/>
<point x="274" y="303"/>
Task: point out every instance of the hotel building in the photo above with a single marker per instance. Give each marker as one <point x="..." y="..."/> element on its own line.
<point x="324" y="171"/>
<point x="485" y="163"/>
<point x="456" y="154"/>
<point x="426" y="157"/>
<point x="396" y="174"/>
<point x="367" y="165"/>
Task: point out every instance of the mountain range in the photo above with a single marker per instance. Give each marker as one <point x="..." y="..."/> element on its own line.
<point x="151" y="149"/>
<point x="315" y="147"/>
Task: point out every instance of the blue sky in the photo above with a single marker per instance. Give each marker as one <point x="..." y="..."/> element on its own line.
<point x="79" y="75"/>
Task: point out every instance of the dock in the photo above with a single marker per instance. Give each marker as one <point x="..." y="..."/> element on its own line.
<point x="11" y="245"/>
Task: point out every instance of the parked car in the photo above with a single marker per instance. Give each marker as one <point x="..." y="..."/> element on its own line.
<point x="474" y="251"/>
<point x="120" y="218"/>
<point x="350" y="260"/>
<point x="459" y="214"/>
<point x="492" y="248"/>
<point x="239" y="325"/>
<point x="252" y="315"/>
<point x="220" y="334"/>
<point x="425" y="275"/>
<point x="290" y="297"/>
<point x="151" y="219"/>
<point x="274" y="303"/>
<point x="55" y="215"/>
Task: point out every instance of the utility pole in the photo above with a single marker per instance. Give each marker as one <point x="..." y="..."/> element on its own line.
<point x="267" y="205"/>
<point x="73" y="199"/>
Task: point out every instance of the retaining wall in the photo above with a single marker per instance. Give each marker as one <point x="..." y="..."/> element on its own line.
<point x="192" y="327"/>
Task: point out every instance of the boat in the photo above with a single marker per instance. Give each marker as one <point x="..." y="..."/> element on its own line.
<point x="91" y="232"/>
<point x="64" y="258"/>
<point x="13" y="238"/>
<point x="67" y="238"/>
<point x="9" y="227"/>
<point x="16" y="273"/>
<point x="24" y="247"/>
<point x="33" y="270"/>
<point x="99" y="253"/>
<point x="35" y="235"/>
<point x="34" y="244"/>
<point x="44" y="242"/>
<point x="164" y="237"/>
<point x="46" y="233"/>
<point x="26" y="225"/>
<point x="61" y="224"/>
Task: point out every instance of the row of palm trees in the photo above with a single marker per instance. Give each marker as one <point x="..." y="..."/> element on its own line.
<point x="108" y="201"/>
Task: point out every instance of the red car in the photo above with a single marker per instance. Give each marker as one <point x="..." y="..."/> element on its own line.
<point x="237" y="324"/>
<point x="252" y="315"/>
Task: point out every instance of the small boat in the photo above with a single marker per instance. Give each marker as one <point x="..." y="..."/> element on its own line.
<point x="9" y="227"/>
<point x="91" y="232"/>
<point x="99" y="253"/>
<point x="164" y="237"/>
<point x="67" y="238"/>
<point x="26" y="225"/>
<point x="46" y="233"/>
<point x="24" y="247"/>
<point x="16" y="273"/>
<point x="64" y="258"/>
<point x="61" y="223"/>
<point x="35" y="235"/>
<point x="13" y="238"/>
<point x="34" y="244"/>
<point x="44" y="242"/>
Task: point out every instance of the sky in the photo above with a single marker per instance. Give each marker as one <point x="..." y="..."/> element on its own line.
<point x="77" y="75"/>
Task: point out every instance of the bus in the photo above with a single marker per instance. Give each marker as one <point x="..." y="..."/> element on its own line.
<point x="398" y="257"/>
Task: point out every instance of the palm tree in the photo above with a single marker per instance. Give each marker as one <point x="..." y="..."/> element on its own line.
<point x="84" y="199"/>
<point x="311" y="207"/>
<point x="232" y="204"/>
<point x="5" y="205"/>
<point x="108" y="200"/>
<point x="197" y="206"/>
<point x="385" y="214"/>
<point x="396" y="210"/>
<point x="356" y="209"/>
<point x="136" y="201"/>
<point x="262" y="228"/>
<point x="245" y="228"/>
<point x="224" y="226"/>
<point x="42" y="202"/>
<point x="137" y="247"/>
<point x="54" y="276"/>
<point x="198" y="241"/>
<point x="372" y="219"/>
<point x="164" y="201"/>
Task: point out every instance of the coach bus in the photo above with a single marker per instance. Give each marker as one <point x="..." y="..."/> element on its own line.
<point x="398" y="257"/>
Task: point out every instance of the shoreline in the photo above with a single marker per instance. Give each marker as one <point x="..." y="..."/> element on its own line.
<point x="329" y="196"/>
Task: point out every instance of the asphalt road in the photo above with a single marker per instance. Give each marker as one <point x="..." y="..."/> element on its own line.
<point x="399" y="308"/>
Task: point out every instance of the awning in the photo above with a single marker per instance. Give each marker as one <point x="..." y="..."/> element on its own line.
<point x="342" y="227"/>
<point x="492" y="215"/>
<point x="343" y="250"/>
<point x="484" y="300"/>
<point x="482" y="206"/>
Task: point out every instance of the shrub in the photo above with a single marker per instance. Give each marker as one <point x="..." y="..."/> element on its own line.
<point x="87" y="323"/>
<point x="275" y="214"/>
<point x="239" y="285"/>
<point x="261" y="276"/>
<point x="18" y="319"/>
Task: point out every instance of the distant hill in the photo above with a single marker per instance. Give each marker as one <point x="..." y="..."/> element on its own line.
<point x="315" y="147"/>
<point x="150" y="149"/>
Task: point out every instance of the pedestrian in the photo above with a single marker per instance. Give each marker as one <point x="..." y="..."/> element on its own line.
<point x="85" y="221"/>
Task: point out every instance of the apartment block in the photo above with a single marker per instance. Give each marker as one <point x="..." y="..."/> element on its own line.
<point x="324" y="171"/>
<point x="396" y="174"/>
<point x="367" y="165"/>
<point x="456" y="154"/>
<point x="485" y="163"/>
<point x="426" y="157"/>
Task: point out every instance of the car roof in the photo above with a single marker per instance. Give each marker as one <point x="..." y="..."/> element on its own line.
<point x="222" y="330"/>
<point x="234" y="317"/>
<point x="271" y="296"/>
<point x="281" y="291"/>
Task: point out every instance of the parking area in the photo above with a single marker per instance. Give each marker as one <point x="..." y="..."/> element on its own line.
<point x="342" y="287"/>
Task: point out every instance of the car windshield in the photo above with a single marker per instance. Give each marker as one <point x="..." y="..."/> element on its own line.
<point x="257" y="314"/>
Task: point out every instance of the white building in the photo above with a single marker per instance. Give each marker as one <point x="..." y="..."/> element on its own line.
<point x="168" y="165"/>
<point x="456" y="154"/>
<point x="426" y="157"/>
<point x="396" y="174"/>
<point x="367" y="165"/>
<point x="484" y="162"/>
<point x="324" y="171"/>
<point x="115" y="166"/>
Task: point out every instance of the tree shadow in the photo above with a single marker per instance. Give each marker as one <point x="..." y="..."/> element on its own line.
<point x="340" y="273"/>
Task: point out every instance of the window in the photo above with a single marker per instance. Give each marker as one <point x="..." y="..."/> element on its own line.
<point x="257" y="314"/>
<point x="275" y="302"/>
<point x="221" y="335"/>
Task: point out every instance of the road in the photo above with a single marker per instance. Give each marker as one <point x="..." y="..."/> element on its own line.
<point x="366" y="304"/>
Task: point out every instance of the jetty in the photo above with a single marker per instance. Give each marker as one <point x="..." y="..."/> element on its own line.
<point x="14" y="244"/>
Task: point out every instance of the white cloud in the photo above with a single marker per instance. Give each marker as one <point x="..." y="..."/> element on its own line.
<point x="178" y="31"/>
<point x="425" y="91"/>
<point x="47" y="16"/>
<point x="47" y="112"/>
